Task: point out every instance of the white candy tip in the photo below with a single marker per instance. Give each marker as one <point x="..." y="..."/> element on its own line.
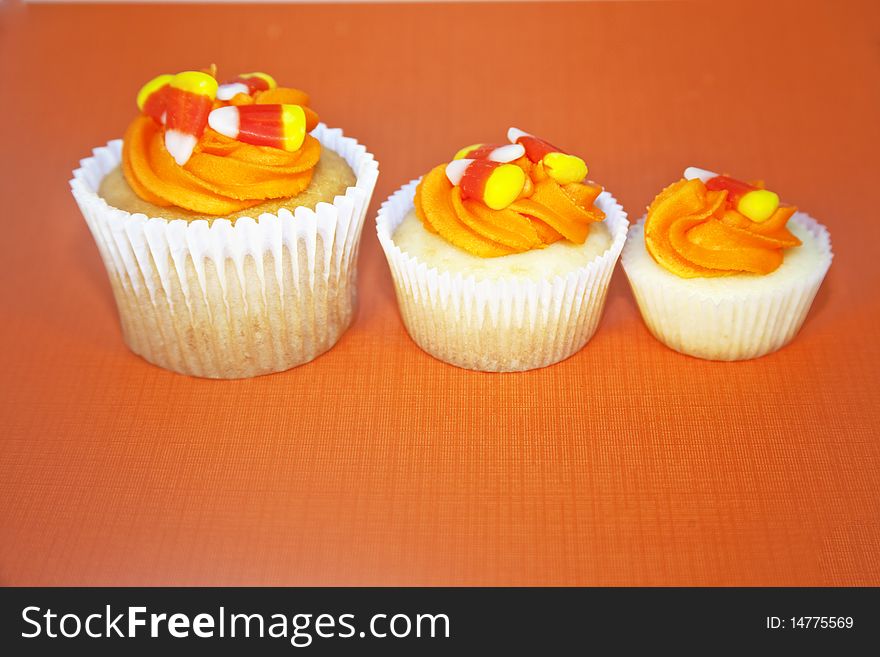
<point x="455" y="170"/>
<point x="513" y="134"/>
<point x="225" y="120"/>
<point x="228" y="91"/>
<point x="180" y="145"/>
<point x="508" y="153"/>
<point x="695" y="173"/>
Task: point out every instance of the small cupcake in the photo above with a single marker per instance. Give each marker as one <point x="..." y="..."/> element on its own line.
<point x="228" y="220"/>
<point x="721" y="270"/>
<point x="501" y="258"/>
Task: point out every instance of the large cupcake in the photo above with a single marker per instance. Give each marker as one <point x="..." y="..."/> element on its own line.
<point x="502" y="257"/>
<point x="228" y="219"/>
<point x="722" y="270"/>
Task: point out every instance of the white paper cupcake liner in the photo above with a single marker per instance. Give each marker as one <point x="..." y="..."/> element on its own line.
<point x="232" y="299"/>
<point x="723" y="325"/>
<point x="512" y="324"/>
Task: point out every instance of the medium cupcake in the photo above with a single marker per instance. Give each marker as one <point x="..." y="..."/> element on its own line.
<point x="501" y="258"/>
<point x="722" y="270"/>
<point x="228" y="219"/>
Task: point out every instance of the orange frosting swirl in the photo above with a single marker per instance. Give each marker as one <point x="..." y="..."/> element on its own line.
<point x="223" y="176"/>
<point x="545" y="212"/>
<point x="695" y="232"/>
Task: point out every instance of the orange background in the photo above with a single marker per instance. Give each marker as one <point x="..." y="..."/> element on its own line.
<point x="375" y="464"/>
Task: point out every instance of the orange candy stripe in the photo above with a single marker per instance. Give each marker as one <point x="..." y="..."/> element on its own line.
<point x="536" y="148"/>
<point x="289" y="96"/>
<point x="156" y="103"/>
<point x="186" y="111"/>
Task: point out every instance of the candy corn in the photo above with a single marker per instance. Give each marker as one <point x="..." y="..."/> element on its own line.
<point x="189" y="99"/>
<point x="494" y="152"/>
<point x="278" y="126"/>
<point x="735" y="188"/>
<point x="246" y="83"/>
<point x="559" y="165"/>
<point x="756" y="204"/>
<point x="696" y="173"/>
<point x="496" y="184"/>
<point x="152" y="97"/>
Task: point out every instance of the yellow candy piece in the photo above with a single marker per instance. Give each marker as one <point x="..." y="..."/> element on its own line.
<point x="503" y="186"/>
<point x="464" y="151"/>
<point x="293" y="118"/>
<point x="263" y="76"/>
<point x="564" y="168"/>
<point x="195" y="82"/>
<point x="758" y="205"/>
<point x="152" y="87"/>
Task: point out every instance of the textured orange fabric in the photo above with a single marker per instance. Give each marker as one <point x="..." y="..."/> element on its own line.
<point x="375" y="464"/>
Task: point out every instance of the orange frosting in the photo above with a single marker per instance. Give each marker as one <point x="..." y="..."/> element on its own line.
<point x="694" y="232"/>
<point x="545" y="212"/>
<point x="223" y="176"/>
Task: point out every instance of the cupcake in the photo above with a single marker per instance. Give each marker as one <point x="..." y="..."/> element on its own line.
<point x="228" y="219"/>
<point x="722" y="270"/>
<point x="501" y="258"/>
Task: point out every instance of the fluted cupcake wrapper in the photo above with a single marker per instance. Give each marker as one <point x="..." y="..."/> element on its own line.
<point x="511" y="324"/>
<point x="728" y="325"/>
<point x="232" y="299"/>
